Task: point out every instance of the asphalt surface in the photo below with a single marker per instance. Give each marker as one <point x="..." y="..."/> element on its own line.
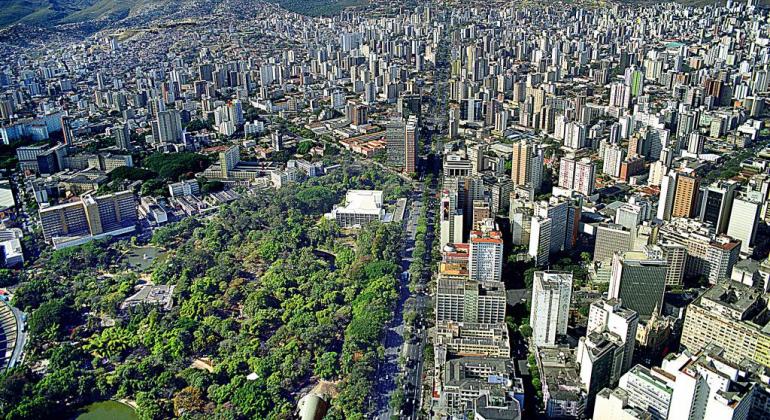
<point x="394" y="342"/>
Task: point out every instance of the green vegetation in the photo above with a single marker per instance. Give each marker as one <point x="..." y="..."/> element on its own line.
<point x="173" y="167"/>
<point x="731" y="168"/>
<point x="198" y="124"/>
<point x="212" y="186"/>
<point x="419" y="264"/>
<point x="319" y="7"/>
<point x="250" y="296"/>
<point x="48" y="12"/>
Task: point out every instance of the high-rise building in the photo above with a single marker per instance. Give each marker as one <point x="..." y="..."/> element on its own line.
<point x="649" y="390"/>
<point x="463" y="300"/>
<point x="89" y="217"/>
<point x="168" y="127"/>
<point x="481" y="211"/>
<point x="744" y="221"/>
<point x="731" y="316"/>
<point x="357" y="113"/>
<point x="454" y="120"/>
<point x="676" y="257"/>
<point x="122" y="136"/>
<point x="66" y="129"/>
<point x="609" y="315"/>
<point x="708" y="254"/>
<point x="395" y="130"/>
<point x="556" y="209"/>
<point x="611" y="238"/>
<point x="685" y="196"/>
<point x="551" y="295"/>
<point x="639" y="281"/>
<point x="540" y="239"/>
<point x="577" y="175"/>
<point x="631" y="215"/>
<point x="411" y="142"/>
<point x="486" y="256"/>
<point x="717" y="203"/>
<point x="667" y="194"/>
<point x="575" y="135"/>
<point x="450" y="218"/>
<point x="228" y="159"/>
<point x="690" y="386"/>
<point x="600" y="357"/>
<point x="521" y="161"/>
<point x="613" y="159"/>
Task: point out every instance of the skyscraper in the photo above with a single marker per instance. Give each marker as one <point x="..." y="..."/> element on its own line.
<point x="667" y="194"/>
<point x="577" y="175"/>
<point x="613" y="159"/>
<point x="168" y="126"/>
<point x="486" y="256"/>
<point x="607" y="350"/>
<point x="611" y="238"/>
<point x="717" y="204"/>
<point x="611" y="316"/>
<point x="122" y="136"/>
<point x="521" y="160"/>
<point x="685" y="196"/>
<point x="228" y="159"/>
<point x="744" y="221"/>
<point x="540" y="239"/>
<point x="395" y="131"/>
<point x="66" y="129"/>
<point x="450" y="219"/>
<point x="481" y="211"/>
<point x="411" y="140"/>
<point x="639" y="281"/>
<point x="551" y="294"/>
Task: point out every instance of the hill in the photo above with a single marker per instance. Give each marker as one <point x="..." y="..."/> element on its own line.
<point x="318" y="7"/>
<point x="48" y="13"/>
<point x="36" y="12"/>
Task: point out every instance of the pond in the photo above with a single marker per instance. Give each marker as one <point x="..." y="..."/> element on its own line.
<point x="140" y="259"/>
<point x="107" y="410"/>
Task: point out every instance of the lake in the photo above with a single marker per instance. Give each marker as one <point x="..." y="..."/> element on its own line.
<point x="108" y="410"/>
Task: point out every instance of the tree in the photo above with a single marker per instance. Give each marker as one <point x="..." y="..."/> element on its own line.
<point x="304" y="147"/>
<point x="525" y="330"/>
<point x="50" y="315"/>
<point x="111" y="343"/>
<point x="12" y="384"/>
<point x="252" y="400"/>
<point x="7" y="277"/>
<point x="172" y="166"/>
<point x="212" y="186"/>
<point x="397" y="400"/>
<point x="327" y="365"/>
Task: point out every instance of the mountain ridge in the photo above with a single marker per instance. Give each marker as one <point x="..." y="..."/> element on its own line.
<point x="49" y="13"/>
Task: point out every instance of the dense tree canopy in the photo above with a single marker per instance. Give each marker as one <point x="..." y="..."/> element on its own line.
<point x="172" y="167"/>
<point x="251" y="297"/>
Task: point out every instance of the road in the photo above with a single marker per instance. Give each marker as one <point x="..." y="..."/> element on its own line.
<point x="412" y="350"/>
<point x="394" y="342"/>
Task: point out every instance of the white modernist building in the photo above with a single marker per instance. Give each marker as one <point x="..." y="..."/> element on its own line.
<point x="551" y="294"/>
<point x="361" y="207"/>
